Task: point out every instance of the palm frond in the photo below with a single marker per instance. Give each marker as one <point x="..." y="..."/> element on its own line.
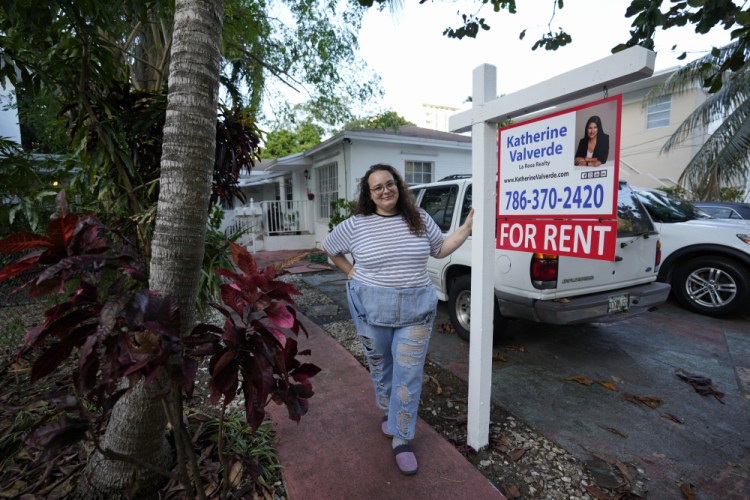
<point x="716" y="107"/>
<point x="724" y="156"/>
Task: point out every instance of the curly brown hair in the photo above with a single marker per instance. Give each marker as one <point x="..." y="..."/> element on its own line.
<point x="405" y="204"/>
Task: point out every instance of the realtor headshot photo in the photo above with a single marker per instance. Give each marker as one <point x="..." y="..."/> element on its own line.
<point x="595" y="128"/>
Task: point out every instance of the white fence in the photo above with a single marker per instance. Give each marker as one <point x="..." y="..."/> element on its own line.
<point x="261" y="222"/>
<point x="286" y="217"/>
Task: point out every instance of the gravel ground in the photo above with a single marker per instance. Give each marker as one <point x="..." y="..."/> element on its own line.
<point x="520" y="462"/>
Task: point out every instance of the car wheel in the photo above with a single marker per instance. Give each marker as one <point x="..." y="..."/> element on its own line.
<point x="711" y="285"/>
<point x="459" y="306"/>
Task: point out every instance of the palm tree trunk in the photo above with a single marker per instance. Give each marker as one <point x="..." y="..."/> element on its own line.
<point x="136" y="430"/>
<point x="137" y="427"/>
<point x="188" y="153"/>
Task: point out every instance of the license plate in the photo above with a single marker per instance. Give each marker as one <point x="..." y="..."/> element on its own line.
<point x="619" y="303"/>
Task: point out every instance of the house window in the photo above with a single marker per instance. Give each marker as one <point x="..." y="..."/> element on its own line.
<point x="328" y="188"/>
<point x="418" y="172"/>
<point x="659" y="112"/>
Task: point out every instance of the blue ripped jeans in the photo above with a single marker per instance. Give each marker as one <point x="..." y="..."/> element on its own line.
<point x="394" y="326"/>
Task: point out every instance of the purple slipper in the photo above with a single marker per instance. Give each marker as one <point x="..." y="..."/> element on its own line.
<point x="384" y="427"/>
<point x="405" y="459"/>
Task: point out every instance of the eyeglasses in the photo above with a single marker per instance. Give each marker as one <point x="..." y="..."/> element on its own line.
<point x="378" y="190"/>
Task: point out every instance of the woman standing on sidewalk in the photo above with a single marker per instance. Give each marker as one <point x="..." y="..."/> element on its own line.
<point x="391" y="298"/>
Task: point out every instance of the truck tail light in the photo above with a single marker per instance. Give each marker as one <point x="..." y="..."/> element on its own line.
<point x="657" y="260"/>
<point x="544" y="271"/>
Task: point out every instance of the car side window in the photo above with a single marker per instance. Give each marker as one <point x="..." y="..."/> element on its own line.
<point x="466" y="205"/>
<point x="631" y="216"/>
<point x="665" y="208"/>
<point x="439" y="203"/>
<point x="721" y="213"/>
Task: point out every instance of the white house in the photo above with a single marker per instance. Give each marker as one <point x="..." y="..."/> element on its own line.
<point x="289" y="199"/>
<point x="280" y="215"/>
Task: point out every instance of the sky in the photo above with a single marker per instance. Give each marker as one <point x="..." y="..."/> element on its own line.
<point x="418" y="64"/>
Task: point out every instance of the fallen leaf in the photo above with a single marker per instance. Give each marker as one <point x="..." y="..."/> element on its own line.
<point x="20" y="366"/>
<point x="13" y="490"/>
<point x="512" y="491"/>
<point x="650" y="401"/>
<point x="687" y="491"/>
<point x="496" y="356"/>
<point x="608" y="385"/>
<point x="702" y="386"/>
<point x="517" y="454"/>
<point x="438" y="389"/>
<point x="502" y="444"/>
<point x="292" y="260"/>
<point x="580" y="379"/>
<point x="210" y="488"/>
<point x="624" y="471"/>
<point x="235" y="474"/>
<point x="614" y="431"/>
<point x="596" y="492"/>
<point x="462" y="418"/>
<point x="509" y="347"/>
<point x="603" y="458"/>
<point x="672" y="418"/>
<point x="145" y="342"/>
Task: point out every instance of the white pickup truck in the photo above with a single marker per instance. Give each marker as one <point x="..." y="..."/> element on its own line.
<point x="547" y="288"/>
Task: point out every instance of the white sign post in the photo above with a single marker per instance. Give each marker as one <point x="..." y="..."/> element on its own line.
<point x="482" y="119"/>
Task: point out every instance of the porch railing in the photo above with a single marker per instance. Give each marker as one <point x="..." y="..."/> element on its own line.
<point x="286" y="217"/>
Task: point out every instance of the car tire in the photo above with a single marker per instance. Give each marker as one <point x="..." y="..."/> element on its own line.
<point x="711" y="285"/>
<point x="459" y="307"/>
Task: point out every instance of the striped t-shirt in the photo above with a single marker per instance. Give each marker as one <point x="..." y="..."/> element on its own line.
<point x="385" y="252"/>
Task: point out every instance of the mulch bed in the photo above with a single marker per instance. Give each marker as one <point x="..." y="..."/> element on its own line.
<point x="27" y="473"/>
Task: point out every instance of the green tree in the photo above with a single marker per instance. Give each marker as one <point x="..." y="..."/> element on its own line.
<point x="43" y="130"/>
<point x="388" y="120"/>
<point x="284" y="142"/>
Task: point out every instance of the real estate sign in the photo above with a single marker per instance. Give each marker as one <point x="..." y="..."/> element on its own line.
<point x="557" y="182"/>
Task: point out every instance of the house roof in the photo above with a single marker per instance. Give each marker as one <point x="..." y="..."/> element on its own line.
<point x="258" y="177"/>
<point x="405" y="134"/>
<point x="412" y="131"/>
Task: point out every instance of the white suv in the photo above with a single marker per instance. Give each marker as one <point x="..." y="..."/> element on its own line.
<point x="706" y="260"/>
<point x="547" y="288"/>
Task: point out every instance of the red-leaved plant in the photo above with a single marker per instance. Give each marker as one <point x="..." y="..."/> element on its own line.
<point x="118" y="328"/>
<point x="248" y="345"/>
